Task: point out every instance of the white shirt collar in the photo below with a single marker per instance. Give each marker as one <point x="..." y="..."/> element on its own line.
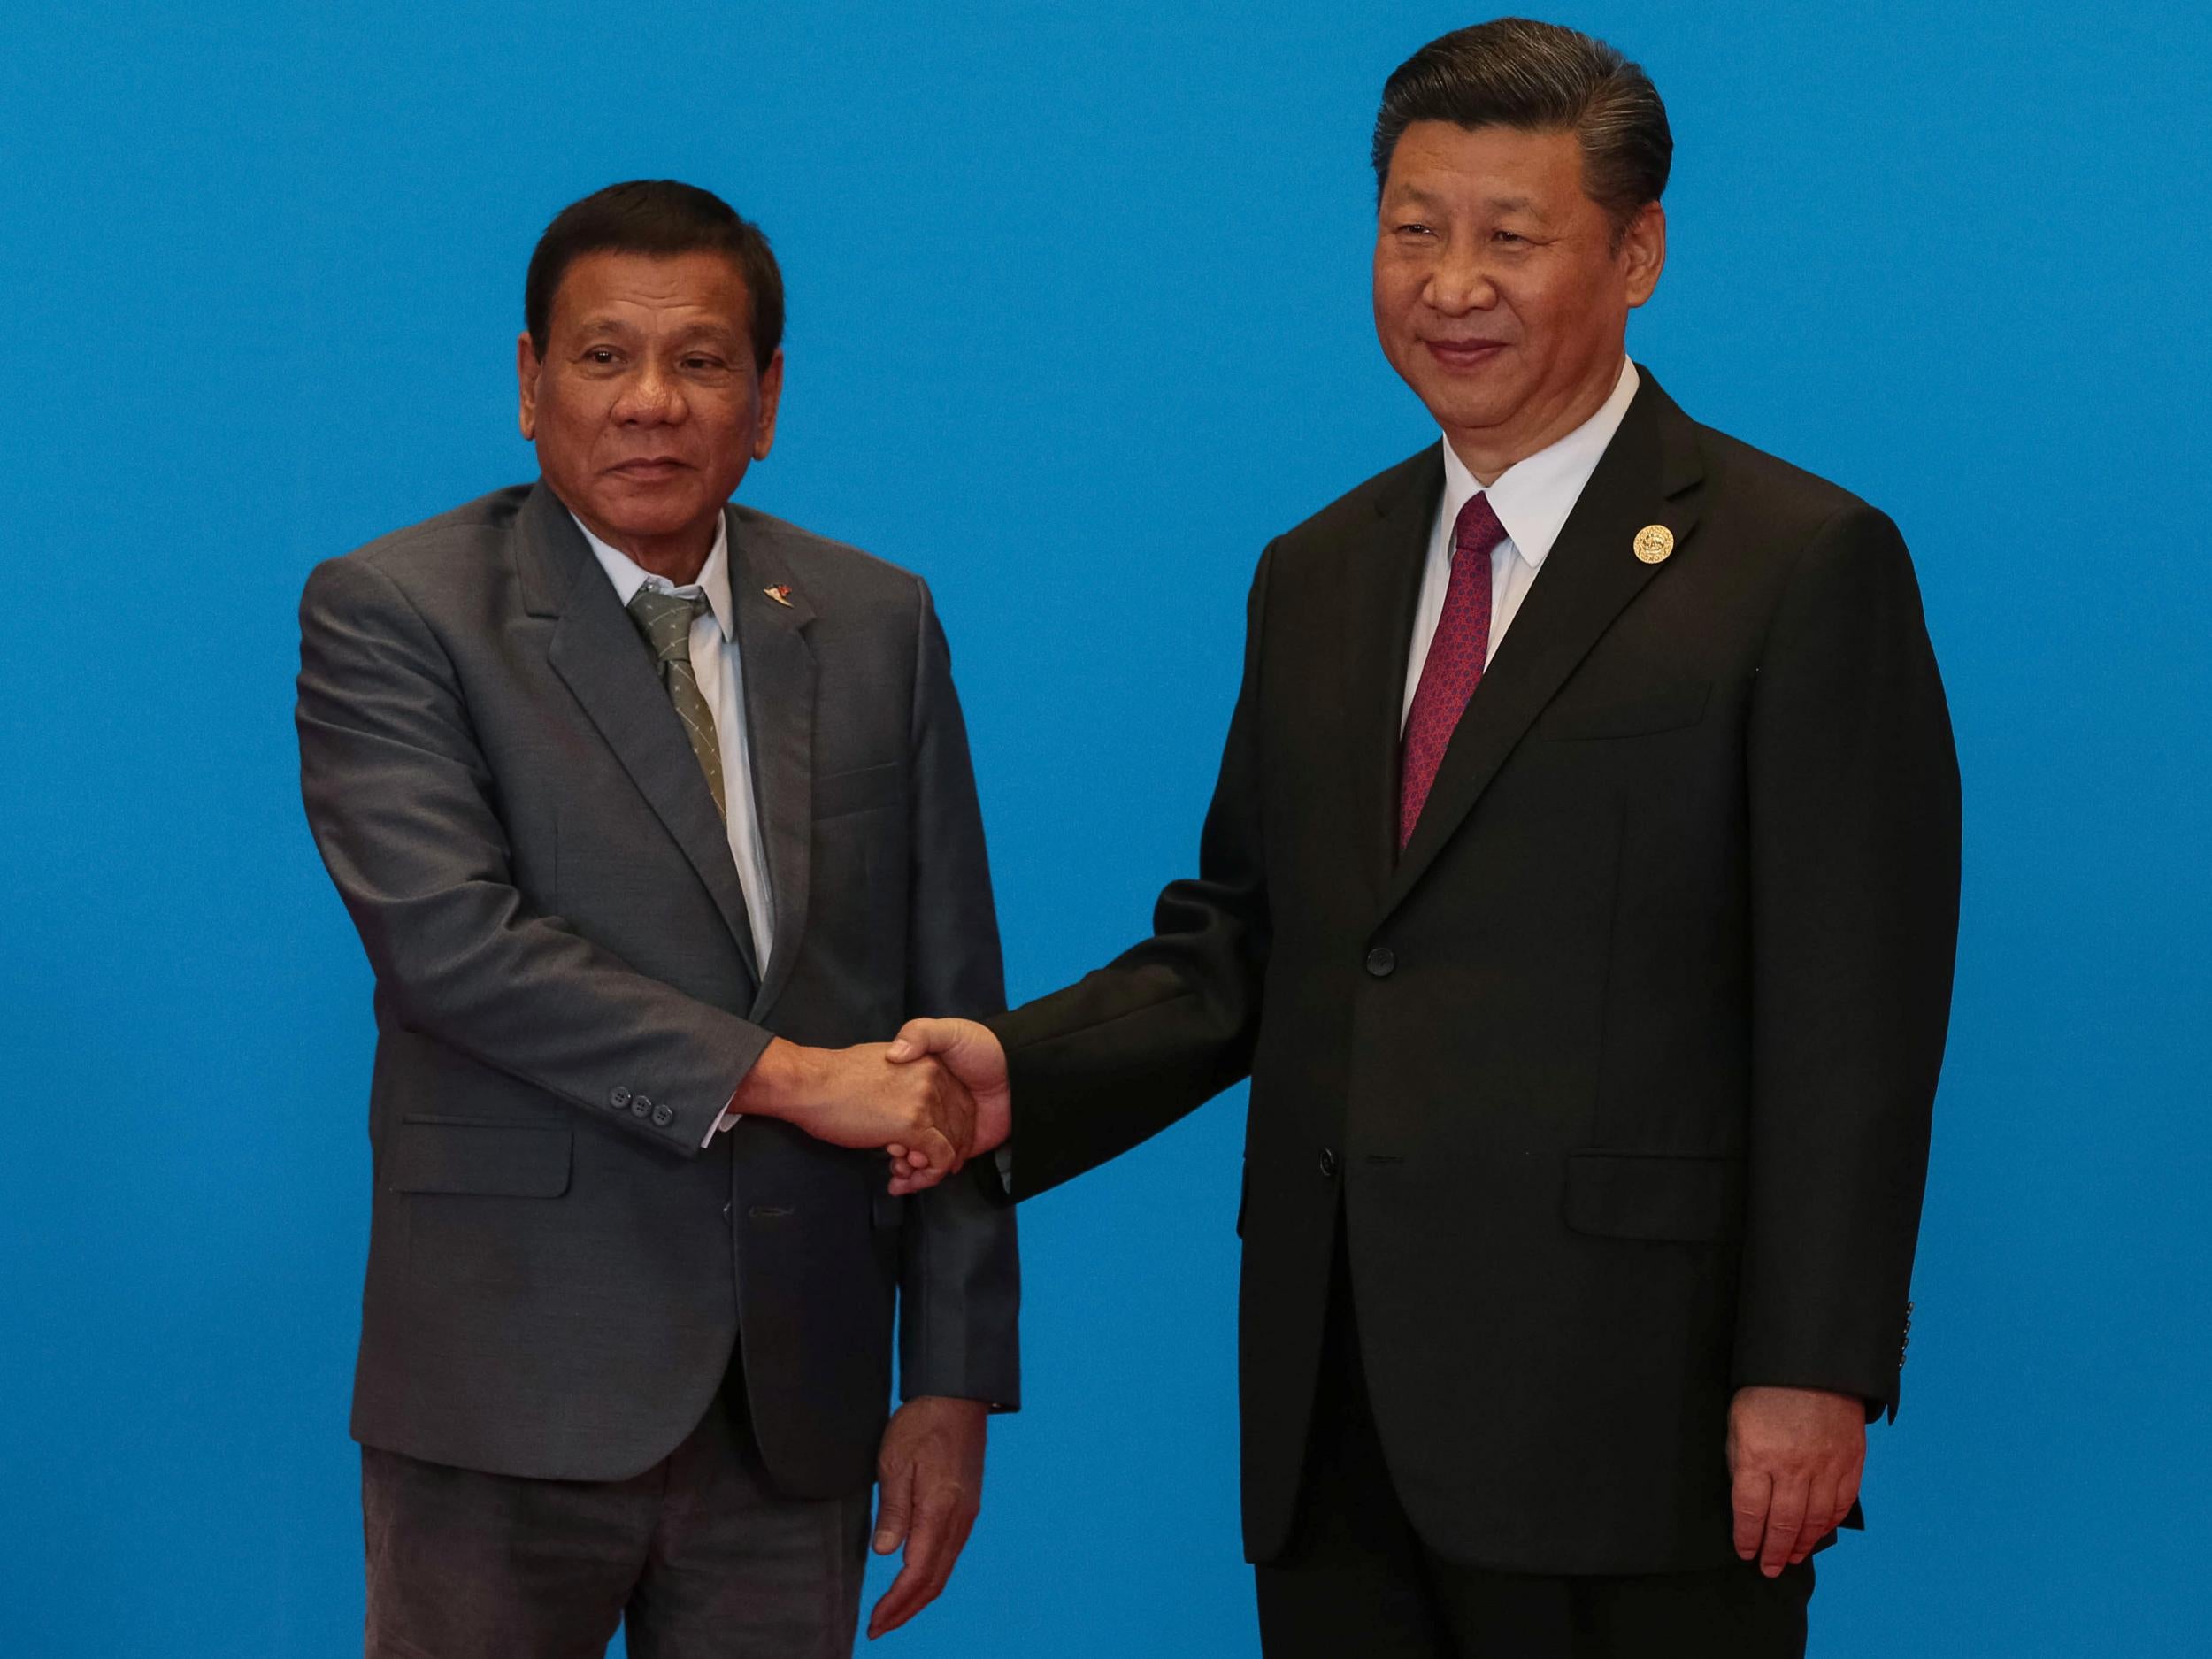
<point x="714" y="576"/>
<point x="1533" y="496"/>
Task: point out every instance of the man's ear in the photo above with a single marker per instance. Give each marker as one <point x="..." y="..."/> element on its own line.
<point x="526" y="384"/>
<point x="770" y="396"/>
<point x="1644" y="252"/>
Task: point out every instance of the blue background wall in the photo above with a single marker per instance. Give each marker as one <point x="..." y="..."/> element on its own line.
<point x="1079" y="319"/>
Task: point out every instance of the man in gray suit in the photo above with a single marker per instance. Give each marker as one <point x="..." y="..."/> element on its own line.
<point x="646" y="806"/>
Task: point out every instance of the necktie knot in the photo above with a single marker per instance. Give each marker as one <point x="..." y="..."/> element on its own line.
<point x="665" y="620"/>
<point x="1476" y="533"/>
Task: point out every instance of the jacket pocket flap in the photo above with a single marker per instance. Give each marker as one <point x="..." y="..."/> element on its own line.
<point x="1661" y="711"/>
<point x="504" y="1160"/>
<point x="1662" y="1196"/>
<point x="838" y="793"/>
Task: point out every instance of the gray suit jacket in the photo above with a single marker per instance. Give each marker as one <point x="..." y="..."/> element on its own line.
<point x="565" y="998"/>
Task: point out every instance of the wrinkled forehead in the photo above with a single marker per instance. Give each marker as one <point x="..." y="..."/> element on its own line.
<point x="614" y="290"/>
<point x="1532" y="169"/>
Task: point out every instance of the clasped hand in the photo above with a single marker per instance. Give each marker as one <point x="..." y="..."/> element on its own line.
<point x="918" y="1111"/>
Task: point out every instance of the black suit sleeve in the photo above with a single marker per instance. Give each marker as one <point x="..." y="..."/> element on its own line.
<point x="401" y="805"/>
<point x="1129" y="1050"/>
<point x="961" y="1275"/>
<point x="1854" y="876"/>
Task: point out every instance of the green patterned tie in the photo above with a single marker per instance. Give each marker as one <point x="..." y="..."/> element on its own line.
<point x="665" y="620"/>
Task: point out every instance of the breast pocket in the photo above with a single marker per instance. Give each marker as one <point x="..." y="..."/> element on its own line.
<point x="1663" y="708"/>
<point x="862" y="790"/>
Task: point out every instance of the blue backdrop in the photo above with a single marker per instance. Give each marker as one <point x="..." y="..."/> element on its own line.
<point x="1078" y="319"/>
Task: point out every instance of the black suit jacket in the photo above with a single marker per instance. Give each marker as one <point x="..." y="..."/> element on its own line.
<point x="1620" y="1076"/>
<point x="566" y="997"/>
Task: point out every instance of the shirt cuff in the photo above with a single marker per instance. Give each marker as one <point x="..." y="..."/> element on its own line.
<point x="1004" y="1159"/>
<point x="727" y="1120"/>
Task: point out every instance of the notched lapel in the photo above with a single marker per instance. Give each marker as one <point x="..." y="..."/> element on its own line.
<point x="773" y="615"/>
<point x="1648" y="475"/>
<point x="596" y="651"/>
<point x="1382" y="590"/>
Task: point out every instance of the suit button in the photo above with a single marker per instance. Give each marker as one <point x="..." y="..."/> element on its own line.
<point x="664" y="1115"/>
<point x="618" y="1097"/>
<point x="725" y="1212"/>
<point x="1382" y="962"/>
<point x="1328" y="1161"/>
<point x="640" y="1106"/>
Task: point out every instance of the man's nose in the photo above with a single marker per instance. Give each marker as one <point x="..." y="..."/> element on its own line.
<point x="651" y="397"/>
<point x="1461" y="282"/>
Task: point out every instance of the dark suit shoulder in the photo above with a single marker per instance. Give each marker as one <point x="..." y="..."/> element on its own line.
<point x="849" y="590"/>
<point x="1352" y="515"/>
<point x="478" y="528"/>
<point x="1778" y="495"/>
<point x="819" y="558"/>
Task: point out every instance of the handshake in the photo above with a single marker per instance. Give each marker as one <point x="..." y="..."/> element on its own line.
<point x="932" y="1099"/>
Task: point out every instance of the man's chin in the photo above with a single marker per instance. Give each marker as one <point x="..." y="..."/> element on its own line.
<point x="1455" y="410"/>
<point x="654" y="518"/>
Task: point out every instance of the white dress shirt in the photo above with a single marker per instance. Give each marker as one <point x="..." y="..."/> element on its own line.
<point x="1532" y="498"/>
<point x="715" y="664"/>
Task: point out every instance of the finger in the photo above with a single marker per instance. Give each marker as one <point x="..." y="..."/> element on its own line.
<point x="952" y="1109"/>
<point x="918" y="1179"/>
<point x="1847" y="1493"/>
<point x="1821" y="1515"/>
<point x="895" y="1506"/>
<point x="918" y="1581"/>
<point x="916" y="1037"/>
<point x="1748" y="1504"/>
<point x="1785" y="1518"/>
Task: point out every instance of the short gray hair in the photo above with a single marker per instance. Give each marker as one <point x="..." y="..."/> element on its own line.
<point x="1539" y="77"/>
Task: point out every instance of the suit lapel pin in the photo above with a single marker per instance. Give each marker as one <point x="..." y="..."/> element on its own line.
<point x="780" y="593"/>
<point x="1653" y="543"/>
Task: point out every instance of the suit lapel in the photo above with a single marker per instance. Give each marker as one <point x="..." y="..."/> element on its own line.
<point x="1381" y="595"/>
<point x="779" y="690"/>
<point x="1648" y="475"/>
<point x="596" y="651"/>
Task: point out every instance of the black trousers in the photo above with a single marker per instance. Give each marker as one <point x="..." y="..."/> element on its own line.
<point x="699" y="1557"/>
<point x="1357" y="1581"/>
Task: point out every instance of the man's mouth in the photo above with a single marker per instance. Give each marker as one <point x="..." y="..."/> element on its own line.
<point x="1464" y="354"/>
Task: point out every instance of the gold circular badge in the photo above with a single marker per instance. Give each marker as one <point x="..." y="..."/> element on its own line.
<point x="1654" y="542"/>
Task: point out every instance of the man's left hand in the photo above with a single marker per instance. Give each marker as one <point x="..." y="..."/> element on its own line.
<point x="930" y="1475"/>
<point x="1796" y="1456"/>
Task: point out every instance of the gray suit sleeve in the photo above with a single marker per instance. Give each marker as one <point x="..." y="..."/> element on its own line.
<point x="961" y="1278"/>
<point x="402" y="804"/>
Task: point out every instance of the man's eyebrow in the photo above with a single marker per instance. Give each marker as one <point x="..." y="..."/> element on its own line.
<point x="1413" y="196"/>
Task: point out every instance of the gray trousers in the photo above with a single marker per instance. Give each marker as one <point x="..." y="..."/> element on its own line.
<point x="699" y="1557"/>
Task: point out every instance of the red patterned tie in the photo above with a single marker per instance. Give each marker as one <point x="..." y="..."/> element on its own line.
<point x="1453" y="668"/>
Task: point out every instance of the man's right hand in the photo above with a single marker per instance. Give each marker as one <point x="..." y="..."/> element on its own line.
<point x="856" y="1097"/>
<point x="972" y="1053"/>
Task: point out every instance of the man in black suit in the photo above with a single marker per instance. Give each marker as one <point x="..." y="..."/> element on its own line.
<point x="645" y="806"/>
<point x="1580" y="893"/>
